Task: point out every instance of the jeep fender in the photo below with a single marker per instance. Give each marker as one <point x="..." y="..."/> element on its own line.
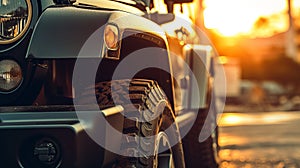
<point x="64" y="30"/>
<point x="61" y="32"/>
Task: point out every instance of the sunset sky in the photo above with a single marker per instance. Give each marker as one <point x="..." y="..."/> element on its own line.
<point x="239" y="17"/>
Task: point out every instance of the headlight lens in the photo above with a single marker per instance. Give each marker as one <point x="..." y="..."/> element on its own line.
<point x="10" y="75"/>
<point x="15" y="17"/>
<point x="111" y="36"/>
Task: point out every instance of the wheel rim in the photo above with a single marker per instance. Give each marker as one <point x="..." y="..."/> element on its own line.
<point x="163" y="153"/>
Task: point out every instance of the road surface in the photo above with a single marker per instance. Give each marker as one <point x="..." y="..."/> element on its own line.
<point x="260" y="140"/>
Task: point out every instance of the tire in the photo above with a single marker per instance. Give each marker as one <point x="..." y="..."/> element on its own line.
<point x="200" y="154"/>
<point x="148" y="100"/>
<point x="203" y="154"/>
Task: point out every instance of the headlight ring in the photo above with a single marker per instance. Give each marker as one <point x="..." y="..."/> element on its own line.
<point x="11" y="75"/>
<point x="15" y="18"/>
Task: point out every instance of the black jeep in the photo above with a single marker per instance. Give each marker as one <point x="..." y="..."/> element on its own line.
<point x="104" y="83"/>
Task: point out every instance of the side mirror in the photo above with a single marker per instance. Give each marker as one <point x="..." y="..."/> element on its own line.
<point x="170" y="3"/>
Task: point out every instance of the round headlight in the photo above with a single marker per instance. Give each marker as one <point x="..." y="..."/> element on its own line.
<point x="10" y="75"/>
<point x="15" y="17"/>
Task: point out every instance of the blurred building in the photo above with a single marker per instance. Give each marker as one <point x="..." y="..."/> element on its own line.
<point x="293" y="34"/>
<point x="232" y="72"/>
<point x="265" y="47"/>
<point x="293" y="40"/>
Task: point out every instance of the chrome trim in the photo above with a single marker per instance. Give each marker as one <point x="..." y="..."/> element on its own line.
<point x="112" y="111"/>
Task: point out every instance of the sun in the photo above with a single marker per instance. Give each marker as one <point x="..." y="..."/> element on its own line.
<point x="238" y="17"/>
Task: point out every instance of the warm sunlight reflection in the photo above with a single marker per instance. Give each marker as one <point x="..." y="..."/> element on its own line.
<point x="236" y="17"/>
<point x="231" y="119"/>
<point x="296" y="8"/>
<point x="234" y="119"/>
<point x="223" y="60"/>
<point x="231" y="140"/>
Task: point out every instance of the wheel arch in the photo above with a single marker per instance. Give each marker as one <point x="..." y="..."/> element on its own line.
<point x="162" y="73"/>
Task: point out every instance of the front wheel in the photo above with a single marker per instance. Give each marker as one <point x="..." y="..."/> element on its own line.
<point x="150" y="135"/>
<point x="164" y="159"/>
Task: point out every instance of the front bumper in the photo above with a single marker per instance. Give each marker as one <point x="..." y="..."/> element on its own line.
<point x="55" y="139"/>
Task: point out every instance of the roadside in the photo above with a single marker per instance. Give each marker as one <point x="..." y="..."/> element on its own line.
<point x="246" y="104"/>
<point x="260" y="140"/>
<point x="260" y="108"/>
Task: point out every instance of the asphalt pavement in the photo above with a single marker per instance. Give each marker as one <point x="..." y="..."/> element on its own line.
<point x="260" y="140"/>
